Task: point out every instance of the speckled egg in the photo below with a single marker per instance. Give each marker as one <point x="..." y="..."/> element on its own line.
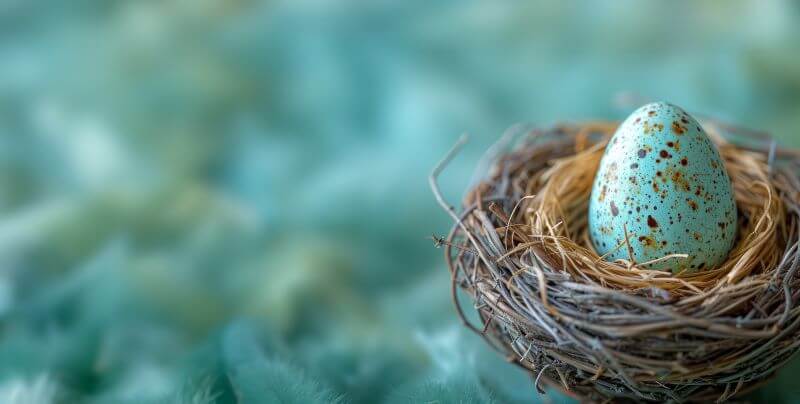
<point x="662" y="178"/>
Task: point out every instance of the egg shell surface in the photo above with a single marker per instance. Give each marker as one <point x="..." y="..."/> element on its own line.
<point x="663" y="179"/>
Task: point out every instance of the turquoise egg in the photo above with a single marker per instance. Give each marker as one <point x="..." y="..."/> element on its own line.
<point x="662" y="178"/>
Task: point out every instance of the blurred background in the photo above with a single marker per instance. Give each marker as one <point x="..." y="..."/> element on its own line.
<point x="218" y="201"/>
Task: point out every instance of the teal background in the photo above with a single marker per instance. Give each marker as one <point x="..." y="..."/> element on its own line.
<point x="211" y="201"/>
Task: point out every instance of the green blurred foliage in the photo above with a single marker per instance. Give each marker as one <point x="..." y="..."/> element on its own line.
<point x="219" y="201"/>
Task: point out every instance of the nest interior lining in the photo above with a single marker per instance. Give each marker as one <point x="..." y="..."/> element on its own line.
<point x="599" y="330"/>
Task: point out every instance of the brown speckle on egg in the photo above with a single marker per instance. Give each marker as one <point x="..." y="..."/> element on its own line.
<point x="647" y="241"/>
<point x="614" y="209"/>
<point x="680" y="181"/>
<point x="677" y="128"/>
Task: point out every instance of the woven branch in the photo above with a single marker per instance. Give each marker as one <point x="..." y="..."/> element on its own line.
<point x="616" y="330"/>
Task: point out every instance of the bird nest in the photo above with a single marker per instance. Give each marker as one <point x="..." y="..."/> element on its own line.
<point x="601" y="330"/>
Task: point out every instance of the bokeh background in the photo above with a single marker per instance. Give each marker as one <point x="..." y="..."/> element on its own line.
<point x="219" y="201"/>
